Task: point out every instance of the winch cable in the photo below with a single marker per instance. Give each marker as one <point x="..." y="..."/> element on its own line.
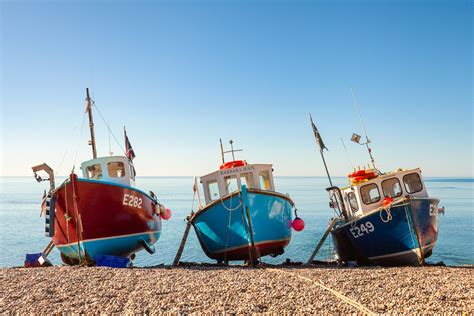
<point x="339" y="295"/>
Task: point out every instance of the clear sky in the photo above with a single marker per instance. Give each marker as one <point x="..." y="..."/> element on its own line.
<point x="182" y="74"/>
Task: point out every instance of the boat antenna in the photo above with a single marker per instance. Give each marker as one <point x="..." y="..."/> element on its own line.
<point x="347" y="153"/>
<point x="89" y="103"/>
<point x="222" y="151"/>
<point x="356" y="138"/>
<point x="232" y="150"/>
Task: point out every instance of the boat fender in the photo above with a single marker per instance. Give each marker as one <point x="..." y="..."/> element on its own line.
<point x="149" y="248"/>
<point x="166" y="214"/>
<point x="297" y="223"/>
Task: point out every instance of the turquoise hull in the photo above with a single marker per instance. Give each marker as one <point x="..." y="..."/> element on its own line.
<point x="223" y="228"/>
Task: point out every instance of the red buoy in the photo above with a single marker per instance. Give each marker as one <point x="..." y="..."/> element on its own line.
<point x="298" y="224"/>
<point x="166" y="215"/>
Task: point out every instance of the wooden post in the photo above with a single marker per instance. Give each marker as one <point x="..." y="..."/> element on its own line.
<point x="183" y="241"/>
<point x="320" y="244"/>
<point x="253" y="250"/>
<point x="48" y="248"/>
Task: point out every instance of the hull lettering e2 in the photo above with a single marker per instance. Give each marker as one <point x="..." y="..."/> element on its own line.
<point x="131" y="200"/>
<point x="433" y="209"/>
<point x="362" y="229"/>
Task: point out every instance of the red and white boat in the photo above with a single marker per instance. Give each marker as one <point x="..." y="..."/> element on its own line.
<point x="102" y="212"/>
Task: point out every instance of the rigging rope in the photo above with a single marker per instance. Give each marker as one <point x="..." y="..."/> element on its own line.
<point x="108" y="127"/>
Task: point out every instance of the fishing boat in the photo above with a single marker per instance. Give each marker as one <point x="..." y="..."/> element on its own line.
<point x="382" y="218"/>
<point x="101" y="213"/>
<point x="243" y="218"/>
<point x="387" y="218"/>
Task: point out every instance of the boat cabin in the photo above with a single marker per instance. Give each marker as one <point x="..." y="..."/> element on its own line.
<point x="220" y="183"/>
<point x="366" y="196"/>
<point x="116" y="169"/>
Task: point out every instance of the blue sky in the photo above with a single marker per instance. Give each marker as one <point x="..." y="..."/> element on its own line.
<point x="180" y="75"/>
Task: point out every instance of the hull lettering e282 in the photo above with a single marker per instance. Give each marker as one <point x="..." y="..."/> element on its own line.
<point x="131" y="200"/>
<point x="362" y="229"/>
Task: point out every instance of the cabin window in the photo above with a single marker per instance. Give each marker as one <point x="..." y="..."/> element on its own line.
<point x="265" y="183"/>
<point x="213" y="190"/>
<point x="247" y="179"/>
<point x="391" y="188"/>
<point x="116" y="169"/>
<point x="351" y="197"/>
<point x="370" y="193"/>
<point x="231" y="184"/>
<point x="94" y="172"/>
<point x="413" y="183"/>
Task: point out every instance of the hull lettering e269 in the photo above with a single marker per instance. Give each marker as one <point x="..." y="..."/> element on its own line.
<point x="131" y="200"/>
<point x="362" y="229"/>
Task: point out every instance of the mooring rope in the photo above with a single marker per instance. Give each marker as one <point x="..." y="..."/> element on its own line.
<point x="339" y="295"/>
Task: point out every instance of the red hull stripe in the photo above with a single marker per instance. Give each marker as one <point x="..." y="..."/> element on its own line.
<point x="261" y="243"/>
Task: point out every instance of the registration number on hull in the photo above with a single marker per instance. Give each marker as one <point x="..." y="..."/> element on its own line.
<point x="362" y="229"/>
<point x="132" y="200"/>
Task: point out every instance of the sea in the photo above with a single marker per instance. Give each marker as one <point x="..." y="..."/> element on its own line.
<point x="22" y="228"/>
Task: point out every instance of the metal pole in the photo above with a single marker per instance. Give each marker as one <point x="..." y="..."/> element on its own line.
<point x="91" y="124"/>
<point x="326" y="167"/>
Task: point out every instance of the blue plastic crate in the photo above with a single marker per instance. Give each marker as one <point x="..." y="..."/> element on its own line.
<point x="111" y="261"/>
<point x="31" y="260"/>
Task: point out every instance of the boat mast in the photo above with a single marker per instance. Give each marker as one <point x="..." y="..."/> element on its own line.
<point x="91" y="124"/>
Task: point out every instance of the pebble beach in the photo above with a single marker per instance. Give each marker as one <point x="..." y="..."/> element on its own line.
<point x="314" y="289"/>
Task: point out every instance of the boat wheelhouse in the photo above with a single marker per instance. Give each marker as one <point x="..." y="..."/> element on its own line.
<point x="369" y="195"/>
<point x="243" y="218"/>
<point x="114" y="169"/>
<point x="225" y="181"/>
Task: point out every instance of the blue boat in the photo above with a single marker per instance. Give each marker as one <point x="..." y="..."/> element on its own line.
<point x="381" y="218"/>
<point x="387" y="219"/>
<point x="243" y="218"/>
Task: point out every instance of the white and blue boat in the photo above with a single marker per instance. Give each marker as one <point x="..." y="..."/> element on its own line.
<point x="243" y="218"/>
<point x="382" y="218"/>
<point x="387" y="219"/>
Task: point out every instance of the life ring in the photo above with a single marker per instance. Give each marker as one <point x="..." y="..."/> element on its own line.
<point x="233" y="164"/>
<point x="362" y="175"/>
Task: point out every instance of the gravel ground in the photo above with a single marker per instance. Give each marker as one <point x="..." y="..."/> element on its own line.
<point x="235" y="290"/>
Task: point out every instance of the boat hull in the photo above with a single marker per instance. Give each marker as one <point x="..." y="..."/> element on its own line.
<point x="101" y="218"/>
<point x="390" y="238"/>
<point x="223" y="230"/>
